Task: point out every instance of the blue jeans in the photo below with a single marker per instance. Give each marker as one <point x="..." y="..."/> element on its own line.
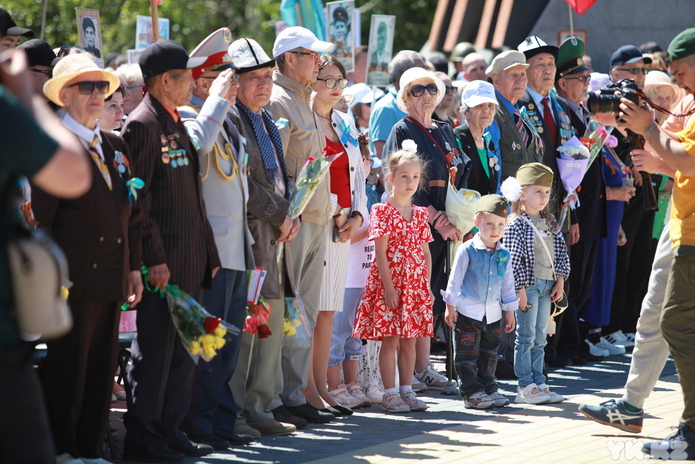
<point x="343" y="324"/>
<point x="531" y="332"/>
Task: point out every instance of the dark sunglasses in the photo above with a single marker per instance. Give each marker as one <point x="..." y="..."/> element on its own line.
<point x="87" y="87"/>
<point x="635" y="71"/>
<point x="47" y="72"/>
<point x="419" y="90"/>
<point x="451" y="89"/>
<point x="331" y="82"/>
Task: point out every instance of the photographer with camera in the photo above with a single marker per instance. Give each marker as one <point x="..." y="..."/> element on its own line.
<point x="677" y="323"/>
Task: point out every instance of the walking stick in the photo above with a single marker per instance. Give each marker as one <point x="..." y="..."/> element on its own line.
<point x="451" y="387"/>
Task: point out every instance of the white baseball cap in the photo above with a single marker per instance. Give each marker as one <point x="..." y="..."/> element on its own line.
<point x="363" y="94"/>
<point x="299" y="37"/>
<point x="478" y="92"/>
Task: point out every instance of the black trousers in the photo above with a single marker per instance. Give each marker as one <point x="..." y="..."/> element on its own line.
<point x="160" y="376"/>
<point x="78" y="377"/>
<point x="582" y="261"/>
<point x="25" y="437"/>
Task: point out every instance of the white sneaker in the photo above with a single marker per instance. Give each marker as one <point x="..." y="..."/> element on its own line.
<point x="432" y="378"/>
<point x="529" y="396"/>
<point x="343" y="398"/>
<point x="478" y="400"/>
<point x="418" y="387"/>
<point x="594" y="350"/>
<point x="554" y="397"/>
<point x="620" y="339"/>
<point x="630" y="337"/>
<point x="499" y="399"/>
<point x="611" y="348"/>
<point x="374" y="394"/>
<point x="355" y="390"/>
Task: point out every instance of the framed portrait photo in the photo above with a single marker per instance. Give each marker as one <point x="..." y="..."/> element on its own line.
<point x="89" y="30"/>
<point x="339" y="31"/>
<point x="380" y="49"/>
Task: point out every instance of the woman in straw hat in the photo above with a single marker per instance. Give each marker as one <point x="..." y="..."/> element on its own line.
<point x="100" y="234"/>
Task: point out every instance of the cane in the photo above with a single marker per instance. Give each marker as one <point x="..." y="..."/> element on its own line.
<point x="451" y="387"/>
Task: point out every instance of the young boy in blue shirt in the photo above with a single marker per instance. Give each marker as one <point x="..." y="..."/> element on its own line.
<point x="479" y="292"/>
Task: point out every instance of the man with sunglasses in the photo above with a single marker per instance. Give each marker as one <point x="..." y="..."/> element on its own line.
<point x="628" y="62"/>
<point x="41" y="61"/>
<point x="208" y="119"/>
<point x="296" y="52"/>
<point x="178" y="247"/>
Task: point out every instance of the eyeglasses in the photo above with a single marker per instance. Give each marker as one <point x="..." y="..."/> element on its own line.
<point x="331" y="82"/>
<point x="451" y="89"/>
<point x="419" y="90"/>
<point x="635" y="71"/>
<point x="314" y="55"/>
<point x="47" y="72"/>
<point x="583" y="79"/>
<point x="87" y="87"/>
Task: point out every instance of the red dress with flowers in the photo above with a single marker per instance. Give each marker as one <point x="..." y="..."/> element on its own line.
<point x="406" y="258"/>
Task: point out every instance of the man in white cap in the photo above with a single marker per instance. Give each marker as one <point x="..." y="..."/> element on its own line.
<point x="296" y="52"/>
<point x="270" y="189"/>
<point x="514" y="138"/>
<point x="212" y="412"/>
<point x="177" y="248"/>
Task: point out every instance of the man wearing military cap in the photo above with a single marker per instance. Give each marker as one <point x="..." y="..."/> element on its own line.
<point x="10" y="32"/>
<point x="677" y="326"/>
<point x="589" y="219"/>
<point x="208" y="118"/>
<point x="178" y="247"/>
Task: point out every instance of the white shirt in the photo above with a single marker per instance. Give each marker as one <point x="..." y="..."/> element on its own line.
<point x="85" y="134"/>
<point x="537" y="97"/>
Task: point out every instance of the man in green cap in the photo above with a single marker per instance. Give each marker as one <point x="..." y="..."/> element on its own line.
<point x="678" y="317"/>
<point x="479" y="294"/>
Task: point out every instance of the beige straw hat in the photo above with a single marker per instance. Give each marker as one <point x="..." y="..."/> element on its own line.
<point x="69" y="68"/>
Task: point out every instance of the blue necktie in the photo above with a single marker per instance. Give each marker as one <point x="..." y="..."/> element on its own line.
<point x="266" y="146"/>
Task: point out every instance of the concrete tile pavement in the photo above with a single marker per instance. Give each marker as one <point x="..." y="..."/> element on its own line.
<point x="449" y="433"/>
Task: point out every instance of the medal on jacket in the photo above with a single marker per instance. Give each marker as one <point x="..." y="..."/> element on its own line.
<point x="502" y="257"/>
<point x="120" y="162"/>
<point x="166" y="159"/>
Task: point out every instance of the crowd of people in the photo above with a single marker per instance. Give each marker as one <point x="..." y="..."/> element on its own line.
<point x="181" y="169"/>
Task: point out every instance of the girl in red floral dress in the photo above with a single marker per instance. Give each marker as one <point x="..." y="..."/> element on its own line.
<point x="397" y="304"/>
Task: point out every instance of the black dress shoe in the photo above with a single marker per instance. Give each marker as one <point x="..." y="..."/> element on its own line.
<point x="281" y="414"/>
<point x="338" y="410"/>
<point x="152" y="453"/>
<point x="216" y="442"/>
<point x="311" y="414"/>
<point x="193" y="449"/>
<point x="557" y="361"/>
<point x="233" y="438"/>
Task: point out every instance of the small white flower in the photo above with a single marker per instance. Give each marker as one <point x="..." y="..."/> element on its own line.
<point x="409" y="145"/>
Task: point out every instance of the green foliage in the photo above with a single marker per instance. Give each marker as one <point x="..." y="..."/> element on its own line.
<point x="193" y="20"/>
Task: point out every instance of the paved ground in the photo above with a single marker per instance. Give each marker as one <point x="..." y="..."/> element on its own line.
<point x="448" y="432"/>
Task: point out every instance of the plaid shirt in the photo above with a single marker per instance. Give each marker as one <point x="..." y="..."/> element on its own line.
<point x="519" y="239"/>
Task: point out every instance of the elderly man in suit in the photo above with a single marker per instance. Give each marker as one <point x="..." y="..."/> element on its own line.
<point x="178" y="247"/>
<point x="100" y="234"/>
<point x="213" y="412"/>
<point x="270" y="188"/>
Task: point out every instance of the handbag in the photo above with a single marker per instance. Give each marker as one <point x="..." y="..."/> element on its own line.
<point x="39" y="275"/>
<point x="562" y="303"/>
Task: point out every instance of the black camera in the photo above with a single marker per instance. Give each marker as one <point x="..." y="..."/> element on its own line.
<point x="608" y="100"/>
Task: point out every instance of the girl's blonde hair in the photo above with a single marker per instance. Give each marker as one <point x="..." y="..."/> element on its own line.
<point x="401" y="157"/>
<point x="550" y="221"/>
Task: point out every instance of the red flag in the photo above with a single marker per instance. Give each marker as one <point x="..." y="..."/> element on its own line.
<point x="581" y="6"/>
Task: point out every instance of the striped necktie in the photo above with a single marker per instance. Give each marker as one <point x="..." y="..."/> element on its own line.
<point x="94" y="153"/>
<point x="521" y="127"/>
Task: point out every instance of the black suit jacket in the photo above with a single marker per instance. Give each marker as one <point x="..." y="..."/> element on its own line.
<point x="175" y="230"/>
<point x="478" y="179"/>
<point x="591" y="213"/>
<point x="99" y="231"/>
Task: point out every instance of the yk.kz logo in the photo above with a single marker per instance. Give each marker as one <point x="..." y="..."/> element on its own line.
<point x="631" y="450"/>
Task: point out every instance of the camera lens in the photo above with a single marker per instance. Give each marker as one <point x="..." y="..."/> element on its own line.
<point x="601" y="103"/>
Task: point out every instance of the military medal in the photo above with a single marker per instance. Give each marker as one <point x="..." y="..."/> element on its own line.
<point x="120" y="162"/>
<point x="173" y="144"/>
<point x="166" y="158"/>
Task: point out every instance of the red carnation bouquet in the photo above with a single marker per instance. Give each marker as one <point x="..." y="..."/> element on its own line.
<point x="309" y="178"/>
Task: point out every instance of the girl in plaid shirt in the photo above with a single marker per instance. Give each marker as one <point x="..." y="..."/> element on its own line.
<point x="540" y="263"/>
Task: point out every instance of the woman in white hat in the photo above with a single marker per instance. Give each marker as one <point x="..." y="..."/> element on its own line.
<point x="478" y="106"/>
<point x="420" y="93"/>
<point x="660" y="90"/>
<point x="100" y="234"/>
